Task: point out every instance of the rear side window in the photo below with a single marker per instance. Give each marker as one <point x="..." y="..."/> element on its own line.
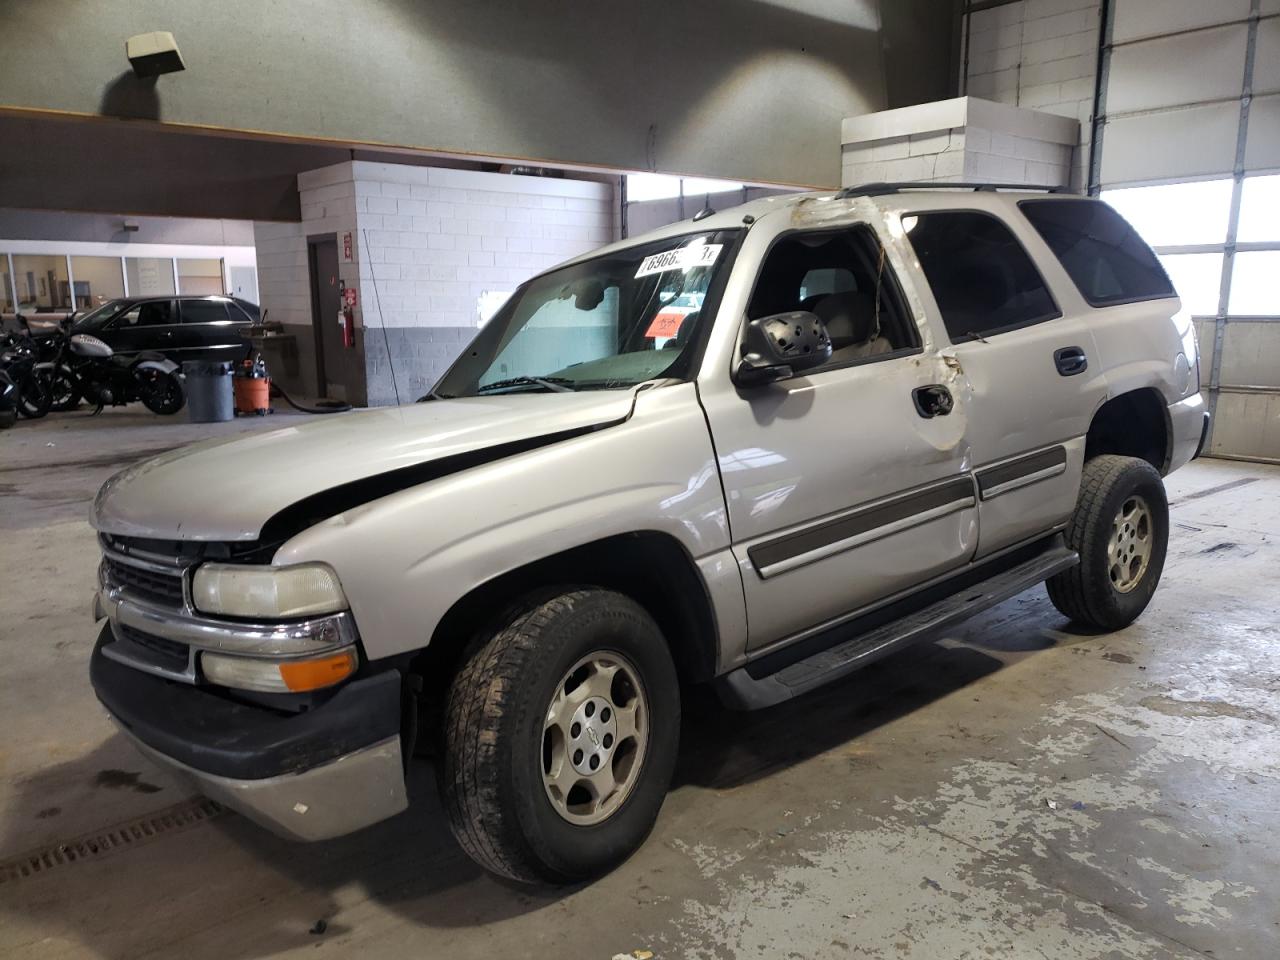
<point x="1104" y="256"/>
<point x="982" y="279"/>
<point x="153" y="313"/>
<point x="203" y="311"/>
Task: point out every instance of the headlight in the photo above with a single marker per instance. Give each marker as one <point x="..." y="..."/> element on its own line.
<point x="278" y="676"/>
<point x="274" y="593"/>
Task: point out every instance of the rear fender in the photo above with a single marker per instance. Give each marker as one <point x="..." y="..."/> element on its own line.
<point x="164" y="366"/>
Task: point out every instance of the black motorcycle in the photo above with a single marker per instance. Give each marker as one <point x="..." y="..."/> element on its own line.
<point x="19" y="358"/>
<point x="8" y="401"/>
<point x="82" y="366"/>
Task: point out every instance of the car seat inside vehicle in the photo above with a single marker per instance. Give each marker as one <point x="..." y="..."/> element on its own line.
<point x="842" y="278"/>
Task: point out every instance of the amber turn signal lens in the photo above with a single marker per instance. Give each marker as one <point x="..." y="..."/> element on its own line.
<point x="302" y="675"/>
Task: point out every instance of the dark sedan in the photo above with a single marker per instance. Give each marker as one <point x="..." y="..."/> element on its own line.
<point x="182" y="328"/>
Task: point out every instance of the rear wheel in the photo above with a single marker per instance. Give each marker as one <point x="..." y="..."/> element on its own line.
<point x="62" y="387"/>
<point x="561" y="731"/>
<point x="162" y="393"/>
<point x="1120" y="528"/>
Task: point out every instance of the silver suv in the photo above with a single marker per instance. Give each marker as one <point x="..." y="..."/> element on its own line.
<point x="759" y="449"/>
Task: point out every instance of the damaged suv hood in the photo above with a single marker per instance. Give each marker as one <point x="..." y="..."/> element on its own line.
<point x="227" y="489"/>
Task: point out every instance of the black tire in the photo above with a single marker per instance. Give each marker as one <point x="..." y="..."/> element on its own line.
<point x="491" y="770"/>
<point x="163" y="393"/>
<point x="34" y="397"/>
<point x="7" y="419"/>
<point x="1087" y="593"/>
<point x="62" y="387"/>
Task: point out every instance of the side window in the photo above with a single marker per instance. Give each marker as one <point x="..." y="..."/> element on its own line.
<point x="842" y="277"/>
<point x="203" y="311"/>
<point x="1104" y="256"/>
<point x="153" y="313"/>
<point x="982" y="279"/>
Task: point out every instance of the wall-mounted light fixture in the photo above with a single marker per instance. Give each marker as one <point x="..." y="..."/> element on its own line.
<point x="152" y="54"/>
<point x="129" y="226"/>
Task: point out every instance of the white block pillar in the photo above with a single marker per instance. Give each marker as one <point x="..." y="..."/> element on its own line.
<point x="961" y="140"/>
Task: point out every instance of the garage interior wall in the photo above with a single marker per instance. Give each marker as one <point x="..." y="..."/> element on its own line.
<point x="709" y="88"/>
<point x="434" y="252"/>
<point x="1188" y="148"/>
<point x="97" y="257"/>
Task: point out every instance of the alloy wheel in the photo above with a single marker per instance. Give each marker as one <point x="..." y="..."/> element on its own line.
<point x="594" y="738"/>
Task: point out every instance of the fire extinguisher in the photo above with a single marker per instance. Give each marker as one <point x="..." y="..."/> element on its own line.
<point x="347" y="320"/>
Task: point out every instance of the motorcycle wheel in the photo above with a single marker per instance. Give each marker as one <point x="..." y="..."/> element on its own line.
<point x="34" y="397"/>
<point x="7" y="419"/>
<point x="163" y="394"/>
<point x="66" y="396"/>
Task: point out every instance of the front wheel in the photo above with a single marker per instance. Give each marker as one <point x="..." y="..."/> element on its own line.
<point x="162" y="393"/>
<point x="34" y="396"/>
<point x="1120" y="528"/>
<point x="560" y="732"/>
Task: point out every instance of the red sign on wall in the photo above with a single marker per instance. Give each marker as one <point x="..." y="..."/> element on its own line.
<point x="349" y="296"/>
<point x="346" y="247"/>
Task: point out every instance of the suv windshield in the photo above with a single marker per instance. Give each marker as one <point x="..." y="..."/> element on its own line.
<point x="605" y="323"/>
<point x="97" y="316"/>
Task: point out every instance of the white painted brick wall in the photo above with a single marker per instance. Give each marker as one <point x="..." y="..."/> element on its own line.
<point x="1040" y="54"/>
<point x="937" y="155"/>
<point x="432" y="241"/>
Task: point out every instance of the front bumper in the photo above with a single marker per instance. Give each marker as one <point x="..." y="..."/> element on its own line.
<point x="310" y="776"/>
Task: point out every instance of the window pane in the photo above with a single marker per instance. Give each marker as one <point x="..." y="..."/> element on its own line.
<point x="42" y="282"/>
<point x="6" y="285"/>
<point x="700" y="186"/>
<point x="153" y="313"/>
<point x="1176" y="213"/>
<point x="1198" y="279"/>
<point x="98" y="279"/>
<point x="203" y="311"/>
<point x="1103" y="255"/>
<point x="982" y="279"/>
<point x="149" y="276"/>
<point x="835" y="275"/>
<point x="1254" y="290"/>
<point x="1259" y="210"/>
<point x="200" y="278"/>
<point x="651" y="186"/>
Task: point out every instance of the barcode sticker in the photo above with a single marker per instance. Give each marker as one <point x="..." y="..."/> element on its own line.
<point x="682" y="258"/>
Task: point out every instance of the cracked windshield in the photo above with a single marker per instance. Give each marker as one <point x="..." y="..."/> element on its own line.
<point x="608" y="322"/>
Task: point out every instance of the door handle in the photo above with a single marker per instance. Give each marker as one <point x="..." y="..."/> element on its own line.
<point x="1070" y="361"/>
<point x="934" y="400"/>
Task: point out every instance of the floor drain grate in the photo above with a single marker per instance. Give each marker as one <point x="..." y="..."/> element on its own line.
<point x="35" y="863"/>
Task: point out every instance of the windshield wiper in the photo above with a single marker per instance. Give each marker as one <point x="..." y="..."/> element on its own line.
<point x="555" y="384"/>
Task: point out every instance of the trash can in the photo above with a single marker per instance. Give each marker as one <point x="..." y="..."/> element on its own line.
<point x="209" y="393"/>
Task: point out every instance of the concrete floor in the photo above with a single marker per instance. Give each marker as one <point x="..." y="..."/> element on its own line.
<point x="1016" y="790"/>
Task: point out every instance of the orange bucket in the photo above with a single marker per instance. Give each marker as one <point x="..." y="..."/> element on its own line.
<point x="253" y="394"/>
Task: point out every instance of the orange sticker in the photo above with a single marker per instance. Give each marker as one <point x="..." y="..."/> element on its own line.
<point x="665" y="324"/>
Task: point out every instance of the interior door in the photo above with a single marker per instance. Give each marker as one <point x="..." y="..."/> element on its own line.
<point x="847" y="484"/>
<point x="1033" y="388"/>
<point x="325" y="303"/>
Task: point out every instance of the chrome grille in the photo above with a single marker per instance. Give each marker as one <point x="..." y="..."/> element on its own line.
<point x="161" y="588"/>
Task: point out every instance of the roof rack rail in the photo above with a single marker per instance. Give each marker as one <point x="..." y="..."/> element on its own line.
<point x="884" y="189"/>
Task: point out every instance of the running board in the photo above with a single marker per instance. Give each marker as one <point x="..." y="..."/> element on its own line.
<point x="746" y="688"/>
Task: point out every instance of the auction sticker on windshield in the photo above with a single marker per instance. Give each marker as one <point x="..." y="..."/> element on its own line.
<point x="682" y="258"/>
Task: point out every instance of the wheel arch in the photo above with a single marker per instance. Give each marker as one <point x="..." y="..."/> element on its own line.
<point x="1133" y="424"/>
<point x="651" y="567"/>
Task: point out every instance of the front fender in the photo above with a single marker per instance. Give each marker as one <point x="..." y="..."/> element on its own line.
<point x="405" y="559"/>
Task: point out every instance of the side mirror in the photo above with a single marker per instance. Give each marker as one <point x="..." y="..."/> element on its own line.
<point x="780" y="346"/>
